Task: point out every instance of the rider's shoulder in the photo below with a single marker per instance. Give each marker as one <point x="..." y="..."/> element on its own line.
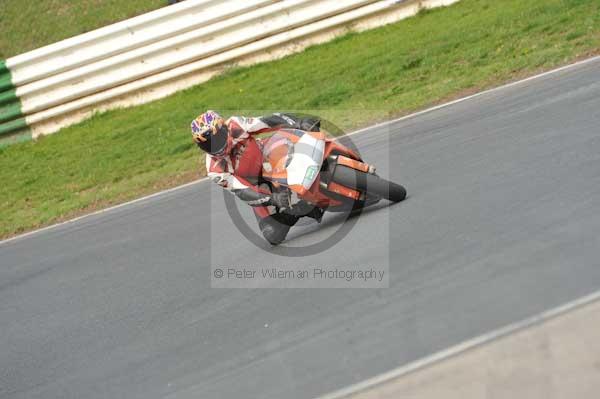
<point x="237" y="119"/>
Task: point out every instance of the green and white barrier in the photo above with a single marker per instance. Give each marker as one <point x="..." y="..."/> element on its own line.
<point x="156" y="54"/>
<point x="13" y="127"/>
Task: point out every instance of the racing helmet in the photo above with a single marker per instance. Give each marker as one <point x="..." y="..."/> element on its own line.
<point x="210" y="133"/>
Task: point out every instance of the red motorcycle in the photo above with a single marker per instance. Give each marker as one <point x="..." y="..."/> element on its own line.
<point x="322" y="172"/>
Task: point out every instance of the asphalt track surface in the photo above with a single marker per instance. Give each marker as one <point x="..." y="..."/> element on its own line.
<point x="502" y="222"/>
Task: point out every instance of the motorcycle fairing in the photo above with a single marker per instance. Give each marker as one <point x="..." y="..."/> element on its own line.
<point x="293" y="158"/>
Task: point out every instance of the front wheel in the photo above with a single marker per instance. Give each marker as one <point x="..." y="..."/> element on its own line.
<point x="369" y="183"/>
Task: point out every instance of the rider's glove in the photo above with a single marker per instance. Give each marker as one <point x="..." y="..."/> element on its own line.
<point x="281" y="199"/>
<point x="310" y="124"/>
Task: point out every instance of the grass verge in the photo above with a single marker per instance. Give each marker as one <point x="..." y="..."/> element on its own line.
<point x="27" y="25"/>
<point x="354" y="80"/>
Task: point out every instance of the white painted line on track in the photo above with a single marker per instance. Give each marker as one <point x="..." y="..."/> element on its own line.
<point x="461" y="348"/>
<point x="98" y="212"/>
<point x="481" y="93"/>
<point x="378" y="125"/>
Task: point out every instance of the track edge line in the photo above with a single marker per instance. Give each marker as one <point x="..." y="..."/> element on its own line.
<point x="463" y="347"/>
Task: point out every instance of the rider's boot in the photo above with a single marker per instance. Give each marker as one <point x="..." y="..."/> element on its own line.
<point x="316" y="213"/>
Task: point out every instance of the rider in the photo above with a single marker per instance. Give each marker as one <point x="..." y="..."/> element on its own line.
<point x="234" y="161"/>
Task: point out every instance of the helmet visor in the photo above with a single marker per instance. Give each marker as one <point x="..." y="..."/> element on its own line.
<point x="215" y="143"/>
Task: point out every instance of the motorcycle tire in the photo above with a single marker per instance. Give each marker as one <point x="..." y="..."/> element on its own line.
<point x="369" y="183"/>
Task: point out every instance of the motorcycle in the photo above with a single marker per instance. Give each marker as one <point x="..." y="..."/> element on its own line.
<point x="321" y="172"/>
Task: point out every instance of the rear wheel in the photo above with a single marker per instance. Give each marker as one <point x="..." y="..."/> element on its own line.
<point x="369" y="183"/>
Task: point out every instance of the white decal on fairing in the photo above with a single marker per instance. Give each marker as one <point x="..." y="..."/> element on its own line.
<point x="307" y="158"/>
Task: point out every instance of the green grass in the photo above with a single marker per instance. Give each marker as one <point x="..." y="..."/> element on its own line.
<point x="354" y="80"/>
<point x="29" y="24"/>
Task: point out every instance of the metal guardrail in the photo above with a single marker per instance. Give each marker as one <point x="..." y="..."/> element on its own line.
<point x="171" y="48"/>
